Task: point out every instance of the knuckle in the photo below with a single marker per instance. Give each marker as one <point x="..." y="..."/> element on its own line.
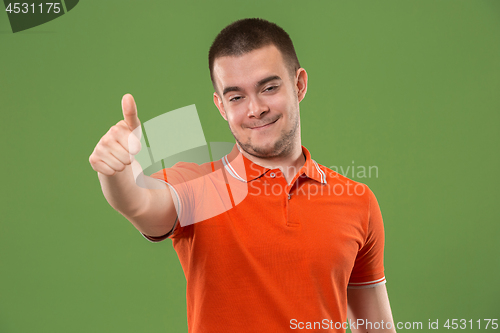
<point x="106" y="140"/>
<point x="100" y="152"/>
<point x="98" y="148"/>
<point x="114" y="130"/>
<point x="95" y="167"/>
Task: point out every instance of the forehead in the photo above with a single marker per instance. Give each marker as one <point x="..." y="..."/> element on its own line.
<point x="249" y="68"/>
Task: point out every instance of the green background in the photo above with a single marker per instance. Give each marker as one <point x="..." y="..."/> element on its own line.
<point x="411" y="87"/>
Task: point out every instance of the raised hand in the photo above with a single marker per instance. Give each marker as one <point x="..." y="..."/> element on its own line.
<point x="116" y="148"/>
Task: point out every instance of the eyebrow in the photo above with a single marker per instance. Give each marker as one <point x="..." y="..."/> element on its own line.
<point x="260" y="83"/>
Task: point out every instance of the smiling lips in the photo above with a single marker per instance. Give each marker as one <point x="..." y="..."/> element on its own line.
<point x="264" y="126"/>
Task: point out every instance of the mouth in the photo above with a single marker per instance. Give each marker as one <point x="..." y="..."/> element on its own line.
<point x="265" y="125"/>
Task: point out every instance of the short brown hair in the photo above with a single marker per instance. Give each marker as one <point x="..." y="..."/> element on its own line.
<point x="249" y="34"/>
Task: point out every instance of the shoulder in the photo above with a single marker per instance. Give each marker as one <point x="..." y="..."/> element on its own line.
<point x="184" y="171"/>
<point x="342" y="185"/>
<point x="334" y="177"/>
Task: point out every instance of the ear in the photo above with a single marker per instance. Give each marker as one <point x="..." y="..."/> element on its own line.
<point x="301" y="83"/>
<point x="218" y="103"/>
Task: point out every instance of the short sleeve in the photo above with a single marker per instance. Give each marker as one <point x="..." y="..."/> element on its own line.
<point x="201" y="192"/>
<point x="368" y="270"/>
<point x="176" y="178"/>
<point x="176" y="227"/>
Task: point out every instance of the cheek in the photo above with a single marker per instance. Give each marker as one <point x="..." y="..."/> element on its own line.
<point x="234" y="119"/>
<point x="286" y="96"/>
<point x="283" y="102"/>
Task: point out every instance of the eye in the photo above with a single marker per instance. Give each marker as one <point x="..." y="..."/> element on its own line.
<point x="271" y="88"/>
<point x="234" y="99"/>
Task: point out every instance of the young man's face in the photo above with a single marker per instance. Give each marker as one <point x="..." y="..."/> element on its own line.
<point x="260" y="101"/>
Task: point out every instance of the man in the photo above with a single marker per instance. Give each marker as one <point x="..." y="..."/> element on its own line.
<point x="301" y="249"/>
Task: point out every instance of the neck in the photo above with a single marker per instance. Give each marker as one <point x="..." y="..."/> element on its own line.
<point x="289" y="164"/>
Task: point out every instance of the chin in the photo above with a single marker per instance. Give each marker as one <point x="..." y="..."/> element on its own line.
<point x="264" y="151"/>
<point x="269" y="149"/>
<point x="268" y="146"/>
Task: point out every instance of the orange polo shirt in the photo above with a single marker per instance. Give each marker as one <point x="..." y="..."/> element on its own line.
<point x="260" y="255"/>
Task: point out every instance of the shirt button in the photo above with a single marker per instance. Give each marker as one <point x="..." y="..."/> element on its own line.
<point x="272" y="175"/>
<point x="289" y="196"/>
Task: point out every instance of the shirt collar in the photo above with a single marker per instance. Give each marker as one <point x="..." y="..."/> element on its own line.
<point x="241" y="168"/>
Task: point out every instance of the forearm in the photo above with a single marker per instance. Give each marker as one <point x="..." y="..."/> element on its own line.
<point x="122" y="192"/>
<point x="147" y="204"/>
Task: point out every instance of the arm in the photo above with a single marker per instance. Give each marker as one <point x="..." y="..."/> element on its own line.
<point x="370" y="305"/>
<point x="151" y="210"/>
<point x="150" y="207"/>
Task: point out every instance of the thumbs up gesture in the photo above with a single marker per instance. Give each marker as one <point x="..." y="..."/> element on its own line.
<point x="116" y="148"/>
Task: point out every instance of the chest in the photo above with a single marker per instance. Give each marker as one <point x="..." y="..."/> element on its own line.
<point x="280" y="230"/>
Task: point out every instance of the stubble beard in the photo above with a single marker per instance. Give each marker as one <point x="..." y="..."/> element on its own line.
<point x="282" y="147"/>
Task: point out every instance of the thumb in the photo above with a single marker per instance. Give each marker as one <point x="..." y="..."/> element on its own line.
<point x="130" y="112"/>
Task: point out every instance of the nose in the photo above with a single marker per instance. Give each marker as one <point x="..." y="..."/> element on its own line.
<point x="256" y="108"/>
